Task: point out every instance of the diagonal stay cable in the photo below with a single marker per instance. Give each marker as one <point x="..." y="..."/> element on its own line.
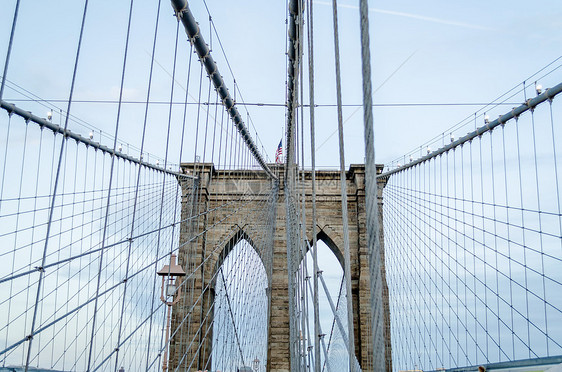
<point x="53" y="199"/>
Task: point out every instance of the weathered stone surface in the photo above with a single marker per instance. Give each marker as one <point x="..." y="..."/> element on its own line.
<point x="233" y="215"/>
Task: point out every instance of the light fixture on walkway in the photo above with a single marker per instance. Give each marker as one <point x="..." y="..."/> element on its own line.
<point x="171" y="289"/>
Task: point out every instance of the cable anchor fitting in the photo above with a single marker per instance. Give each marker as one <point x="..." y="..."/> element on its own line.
<point x="178" y="13"/>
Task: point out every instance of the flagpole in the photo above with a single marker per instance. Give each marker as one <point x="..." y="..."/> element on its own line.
<point x="282" y="132"/>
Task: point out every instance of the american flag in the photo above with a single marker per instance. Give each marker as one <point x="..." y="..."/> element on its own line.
<point x="279" y="152"/>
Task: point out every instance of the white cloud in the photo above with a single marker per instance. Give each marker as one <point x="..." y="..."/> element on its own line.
<point x="410" y="15"/>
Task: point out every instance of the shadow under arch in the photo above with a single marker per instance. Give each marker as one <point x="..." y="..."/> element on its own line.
<point x="324" y="237"/>
<point x="239" y="236"/>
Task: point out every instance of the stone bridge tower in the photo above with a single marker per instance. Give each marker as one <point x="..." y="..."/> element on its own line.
<point x="203" y="249"/>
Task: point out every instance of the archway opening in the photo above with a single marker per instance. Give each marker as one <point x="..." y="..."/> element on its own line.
<point x="333" y="316"/>
<point x="240" y="311"/>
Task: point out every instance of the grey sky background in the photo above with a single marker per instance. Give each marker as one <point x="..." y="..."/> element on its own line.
<point x="453" y="56"/>
<point x="435" y="52"/>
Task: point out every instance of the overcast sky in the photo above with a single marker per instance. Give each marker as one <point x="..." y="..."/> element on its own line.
<point x="423" y="52"/>
<point x="432" y="52"/>
<point x="434" y="64"/>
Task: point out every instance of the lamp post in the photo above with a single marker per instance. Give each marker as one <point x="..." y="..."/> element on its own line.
<point x="256" y="364"/>
<point x="170" y="289"/>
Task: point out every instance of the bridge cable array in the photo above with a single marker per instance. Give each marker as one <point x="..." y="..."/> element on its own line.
<point x="463" y="243"/>
<point x="108" y="220"/>
<point x="475" y="228"/>
<point x="306" y="345"/>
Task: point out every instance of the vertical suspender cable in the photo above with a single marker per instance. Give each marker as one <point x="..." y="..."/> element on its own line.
<point x="320" y="340"/>
<point x="292" y="100"/>
<point x="373" y="242"/>
<point x="313" y="161"/>
<point x="347" y="263"/>
<point x="305" y="356"/>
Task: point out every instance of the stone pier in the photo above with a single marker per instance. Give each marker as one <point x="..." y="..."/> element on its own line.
<point x="244" y="195"/>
